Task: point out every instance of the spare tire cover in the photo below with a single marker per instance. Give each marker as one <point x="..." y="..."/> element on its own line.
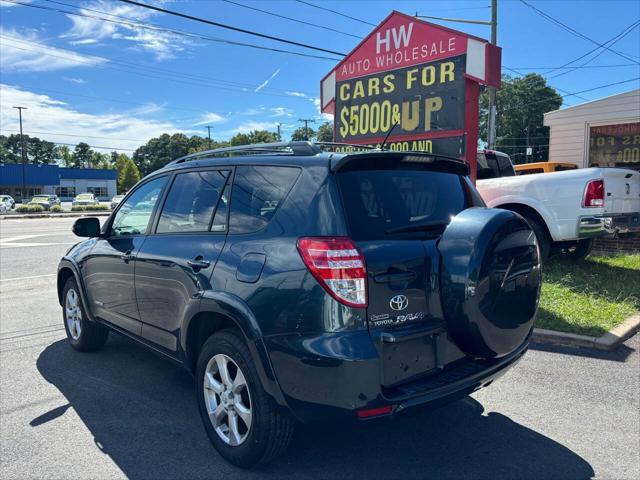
<point x="490" y="280"/>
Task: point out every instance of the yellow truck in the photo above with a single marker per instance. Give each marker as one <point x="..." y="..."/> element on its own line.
<point x="543" y="167"/>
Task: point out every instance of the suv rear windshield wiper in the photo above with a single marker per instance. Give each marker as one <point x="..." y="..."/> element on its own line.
<point x="425" y="226"/>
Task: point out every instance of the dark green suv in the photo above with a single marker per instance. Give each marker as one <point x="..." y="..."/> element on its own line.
<point x="299" y="284"/>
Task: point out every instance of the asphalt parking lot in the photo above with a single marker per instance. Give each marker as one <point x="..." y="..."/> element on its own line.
<point x="559" y="414"/>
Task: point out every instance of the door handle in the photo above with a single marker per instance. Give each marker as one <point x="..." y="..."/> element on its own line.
<point x="127" y="257"/>
<point x="395" y="277"/>
<point x="198" y="263"/>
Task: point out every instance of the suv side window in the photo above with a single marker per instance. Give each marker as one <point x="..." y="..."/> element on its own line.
<point x="132" y="218"/>
<point x="191" y="201"/>
<point x="257" y="193"/>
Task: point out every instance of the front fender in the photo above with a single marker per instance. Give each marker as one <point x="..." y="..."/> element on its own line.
<point x="68" y="263"/>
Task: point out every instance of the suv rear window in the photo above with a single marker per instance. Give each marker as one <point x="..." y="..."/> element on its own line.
<point x="379" y="201"/>
<point x="257" y="194"/>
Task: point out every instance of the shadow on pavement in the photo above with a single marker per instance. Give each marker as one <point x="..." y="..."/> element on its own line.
<point x="142" y="412"/>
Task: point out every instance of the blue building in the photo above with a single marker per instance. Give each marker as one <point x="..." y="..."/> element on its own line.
<point x="55" y="180"/>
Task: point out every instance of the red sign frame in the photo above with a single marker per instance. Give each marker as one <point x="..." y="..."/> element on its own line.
<point x="401" y="41"/>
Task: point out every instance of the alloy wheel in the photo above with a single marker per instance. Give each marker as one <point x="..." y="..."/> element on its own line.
<point x="73" y="314"/>
<point x="226" y="395"/>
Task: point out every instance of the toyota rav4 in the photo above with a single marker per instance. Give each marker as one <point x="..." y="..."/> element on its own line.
<point x="299" y="284"/>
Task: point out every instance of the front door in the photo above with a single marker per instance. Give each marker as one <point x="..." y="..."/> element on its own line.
<point x="176" y="261"/>
<point x="109" y="270"/>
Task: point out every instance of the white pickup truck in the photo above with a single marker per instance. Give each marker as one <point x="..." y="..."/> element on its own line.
<point x="567" y="209"/>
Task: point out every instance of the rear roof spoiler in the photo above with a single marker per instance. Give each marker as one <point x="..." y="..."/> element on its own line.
<point x="386" y="160"/>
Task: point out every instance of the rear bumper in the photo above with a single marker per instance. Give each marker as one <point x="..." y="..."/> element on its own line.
<point x="599" y="225"/>
<point x="335" y="375"/>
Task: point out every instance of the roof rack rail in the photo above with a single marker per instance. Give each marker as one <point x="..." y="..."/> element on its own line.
<point x="301" y="148"/>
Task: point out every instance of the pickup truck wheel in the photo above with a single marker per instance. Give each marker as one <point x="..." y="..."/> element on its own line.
<point x="83" y="334"/>
<point x="544" y="241"/>
<point x="582" y="249"/>
<point x="239" y="417"/>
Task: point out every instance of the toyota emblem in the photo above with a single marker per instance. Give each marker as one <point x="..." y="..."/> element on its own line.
<point x="399" y="302"/>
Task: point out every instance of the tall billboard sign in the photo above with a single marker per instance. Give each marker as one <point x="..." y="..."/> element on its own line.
<point x="415" y="82"/>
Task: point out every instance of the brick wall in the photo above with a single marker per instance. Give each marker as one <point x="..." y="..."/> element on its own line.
<point x="617" y="245"/>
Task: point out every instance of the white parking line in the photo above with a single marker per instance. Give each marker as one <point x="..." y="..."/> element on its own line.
<point x="17" y="279"/>
<point x="22" y="244"/>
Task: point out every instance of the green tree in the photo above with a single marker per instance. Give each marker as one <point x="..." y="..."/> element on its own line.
<point x="82" y="156"/>
<point x="255" y="136"/>
<point x="325" y="132"/>
<point x="520" y="107"/>
<point x="64" y="156"/>
<point x="303" y="134"/>
<point x="129" y="177"/>
<point x="159" y="151"/>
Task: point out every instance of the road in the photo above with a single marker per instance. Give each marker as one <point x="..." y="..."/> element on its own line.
<point x="123" y="412"/>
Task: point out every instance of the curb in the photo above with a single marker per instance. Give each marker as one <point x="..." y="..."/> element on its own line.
<point x="608" y="341"/>
<point x="97" y="213"/>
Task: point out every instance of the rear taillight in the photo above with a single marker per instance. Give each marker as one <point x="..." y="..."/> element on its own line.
<point x="338" y="266"/>
<point x="594" y="194"/>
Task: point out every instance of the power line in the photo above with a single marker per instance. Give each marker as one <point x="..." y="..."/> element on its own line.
<point x="611" y="41"/>
<point x="522" y="74"/>
<point x="83" y="136"/>
<point x="587" y="66"/>
<point x="91" y="146"/>
<point x="575" y="94"/>
<point x="573" y="31"/>
<point x="316" y="25"/>
<point x="156" y="27"/>
<point x="230" y="27"/>
<point x="336" y="12"/>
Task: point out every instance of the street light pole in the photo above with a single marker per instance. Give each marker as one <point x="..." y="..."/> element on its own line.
<point x="24" y="157"/>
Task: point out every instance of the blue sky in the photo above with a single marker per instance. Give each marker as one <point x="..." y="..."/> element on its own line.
<point x="116" y="85"/>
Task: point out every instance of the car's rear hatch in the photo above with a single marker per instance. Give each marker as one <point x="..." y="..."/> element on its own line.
<point x="397" y="207"/>
<point x="622" y="190"/>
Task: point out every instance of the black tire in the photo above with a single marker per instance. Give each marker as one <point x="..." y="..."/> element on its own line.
<point x="270" y="431"/>
<point x="92" y="336"/>
<point x="544" y="240"/>
<point x="581" y="250"/>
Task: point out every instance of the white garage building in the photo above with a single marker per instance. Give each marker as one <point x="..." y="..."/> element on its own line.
<point x="603" y="132"/>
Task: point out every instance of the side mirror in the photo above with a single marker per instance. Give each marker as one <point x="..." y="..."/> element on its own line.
<point x="87" y="227"/>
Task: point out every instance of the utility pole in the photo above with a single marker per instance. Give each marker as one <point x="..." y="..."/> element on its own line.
<point x="209" y="130"/>
<point x="24" y="156"/>
<point x="491" y="125"/>
<point x="306" y="126"/>
<point x="278" y="125"/>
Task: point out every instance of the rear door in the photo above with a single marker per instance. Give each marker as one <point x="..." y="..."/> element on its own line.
<point x="396" y="218"/>
<point x="175" y="263"/>
<point x="622" y="190"/>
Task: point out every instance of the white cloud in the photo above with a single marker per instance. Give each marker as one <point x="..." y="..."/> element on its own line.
<point x="281" y="112"/>
<point x="11" y="4"/>
<point x="88" y="30"/>
<point x="79" y="81"/>
<point x="19" y="53"/>
<point x="210" y="117"/>
<point x="266" y="82"/>
<point x="64" y="124"/>
<point x="296" y="94"/>
<point x="327" y="117"/>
